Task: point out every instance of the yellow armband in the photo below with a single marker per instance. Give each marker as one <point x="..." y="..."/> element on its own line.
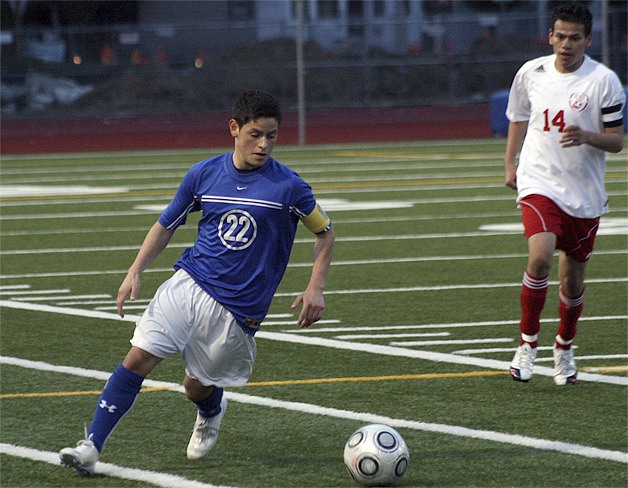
<point x="317" y="221"/>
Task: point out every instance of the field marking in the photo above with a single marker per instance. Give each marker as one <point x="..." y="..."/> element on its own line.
<point x="64" y="297"/>
<point x="360" y="262"/>
<point x="512" y="439"/>
<point x="33" y="292"/>
<point x="25" y="184"/>
<point x="606" y="369"/>
<point x="608" y="226"/>
<point x="432" y="187"/>
<point x="391" y="336"/>
<point x="485" y="323"/>
<point x="191" y="228"/>
<point x="360" y="239"/>
<point x="360" y="379"/>
<point x="311" y="381"/>
<point x="495" y="146"/>
<point x="30" y="186"/>
<point x="112" y="470"/>
<point x="346" y="379"/>
<point x="70" y="393"/>
<point x="412" y="289"/>
<point x="146" y="196"/>
<point x="449" y="342"/>
<point x="38" y="307"/>
<point x="428" y="356"/>
<point x="309" y="409"/>
<point x="366" y="164"/>
<point x="66" y="250"/>
<point x="335" y="344"/>
<point x="24" y="190"/>
<point x="361" y="220"/>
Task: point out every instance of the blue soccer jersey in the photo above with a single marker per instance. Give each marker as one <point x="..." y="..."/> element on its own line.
<point x="245" y="234"/>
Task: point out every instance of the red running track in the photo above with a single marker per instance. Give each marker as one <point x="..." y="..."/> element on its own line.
<point x="210" y="130"/>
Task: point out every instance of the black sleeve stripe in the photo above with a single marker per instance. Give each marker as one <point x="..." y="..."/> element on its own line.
<point x="614" y="123"/>
<point x="610" y="110"/>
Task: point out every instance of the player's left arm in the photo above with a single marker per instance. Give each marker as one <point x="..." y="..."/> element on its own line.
<point x="611" y="140"/>
<point x="312" y="298"/>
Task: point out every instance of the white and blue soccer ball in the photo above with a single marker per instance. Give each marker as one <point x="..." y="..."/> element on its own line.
<point x="376" y="455"/>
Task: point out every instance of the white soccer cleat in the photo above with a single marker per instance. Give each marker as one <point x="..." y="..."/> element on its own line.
<point x="523" y="362"/>
<point x="205" y="434"/>
<point x="565" y="371"/>
<point x="82" y="458"/>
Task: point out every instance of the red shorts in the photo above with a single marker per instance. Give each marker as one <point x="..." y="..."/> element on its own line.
<point x="575" y="236"/>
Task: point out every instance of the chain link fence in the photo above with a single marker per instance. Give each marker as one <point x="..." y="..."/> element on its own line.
<point x="143" y="69"/>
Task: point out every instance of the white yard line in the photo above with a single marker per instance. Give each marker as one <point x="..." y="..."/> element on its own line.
<point x="412" y="289"/>
<point x="309" y="409"/>
<point x="452" y="342"/>
<point x="153" y="477"/>
<point x="30" y="293"/>
<point x="393" y="336"/>
<point x="336" y="344"/>
<point x="308" y="264"/>
<point x="486" y="323"/>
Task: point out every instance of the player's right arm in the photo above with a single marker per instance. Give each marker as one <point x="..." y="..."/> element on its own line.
<point x="516" y="134"/>
<point x="155" y="242"/>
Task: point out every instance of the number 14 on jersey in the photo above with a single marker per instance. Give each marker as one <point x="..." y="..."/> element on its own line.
<point x="557" y="121"/>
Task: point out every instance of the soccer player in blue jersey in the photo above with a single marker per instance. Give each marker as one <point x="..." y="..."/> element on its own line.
<point x="211" y="308"/>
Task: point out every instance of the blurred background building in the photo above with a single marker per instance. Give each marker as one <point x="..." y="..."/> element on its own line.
<point x="138" y="57"/>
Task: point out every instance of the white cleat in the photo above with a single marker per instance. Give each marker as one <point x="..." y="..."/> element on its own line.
<point x="565" y="371"/>
<point x="523" y="363"/>
<point x="82" y="458"/>
<point x="205" y="433"/>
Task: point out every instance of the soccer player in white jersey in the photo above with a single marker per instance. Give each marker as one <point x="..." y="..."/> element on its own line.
<point x="567" y="110"/>
<point x="210" y="309"/>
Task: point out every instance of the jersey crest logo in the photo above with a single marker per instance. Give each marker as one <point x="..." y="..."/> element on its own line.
<point x="237" y="230"/>
<point x="578" y="101"/>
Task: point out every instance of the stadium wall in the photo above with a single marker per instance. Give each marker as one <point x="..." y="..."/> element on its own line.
<point x="210" y="130"/>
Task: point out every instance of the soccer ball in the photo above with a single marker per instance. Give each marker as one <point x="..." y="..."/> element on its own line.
<point x="376" y="455"/>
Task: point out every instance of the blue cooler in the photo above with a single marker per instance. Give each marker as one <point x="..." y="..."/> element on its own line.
<point x="499" y="121"/>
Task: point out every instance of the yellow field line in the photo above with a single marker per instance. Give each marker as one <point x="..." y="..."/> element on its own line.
<point x="605" y="369"/>
<point x="312" y="381"/>
<point x="316" y="381"/>
<point x="358" y="379"/>
<point x="69" y="393"/>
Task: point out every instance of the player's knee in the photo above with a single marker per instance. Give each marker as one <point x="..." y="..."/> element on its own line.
<point x="572" y="286"/>
<point x="194" y="390"/>
<point x="139" y="361"/>
<point x="539" y="266"/>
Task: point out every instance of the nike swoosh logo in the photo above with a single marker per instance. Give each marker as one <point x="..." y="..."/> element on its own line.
<point x="239" y="188"/>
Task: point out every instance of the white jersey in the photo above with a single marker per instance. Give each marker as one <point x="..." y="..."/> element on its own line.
<point x="592" y="98"/>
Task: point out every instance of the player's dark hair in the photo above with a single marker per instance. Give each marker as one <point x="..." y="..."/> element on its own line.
<point x="253" y="104"/>
<point x="574" y="12"/>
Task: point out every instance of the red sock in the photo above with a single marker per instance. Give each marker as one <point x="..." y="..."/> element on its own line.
<point x="533" y="294"/>
<point x="569" y="310"/>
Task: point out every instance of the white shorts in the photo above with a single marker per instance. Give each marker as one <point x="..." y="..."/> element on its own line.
<point x="183" y="318"/>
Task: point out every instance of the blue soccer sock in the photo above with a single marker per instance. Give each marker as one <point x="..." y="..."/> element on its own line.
<point x="116" y="399"/>
<point x="211" y="405"/>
